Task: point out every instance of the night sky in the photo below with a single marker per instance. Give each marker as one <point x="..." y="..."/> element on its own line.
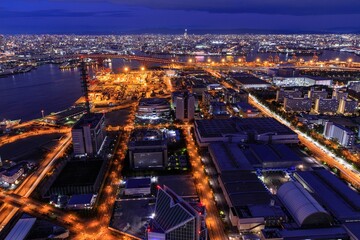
<point x="173" y="16"/>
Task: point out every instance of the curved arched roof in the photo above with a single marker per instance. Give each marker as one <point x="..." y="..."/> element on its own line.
<point x="302" y="206"/>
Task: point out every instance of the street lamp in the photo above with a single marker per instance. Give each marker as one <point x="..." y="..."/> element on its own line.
<point x="190" y="60"/>
<point x="142" y="68"/>
<point x="223" y="60"/>
<point x="126" y="69"/>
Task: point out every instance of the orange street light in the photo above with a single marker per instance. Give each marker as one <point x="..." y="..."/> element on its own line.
<point x="142" y="68"/>
<point x="126" y="69"/>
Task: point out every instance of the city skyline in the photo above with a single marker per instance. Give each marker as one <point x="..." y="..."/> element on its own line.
<point x="179" y="119"/>
<point x="199" y="17"/>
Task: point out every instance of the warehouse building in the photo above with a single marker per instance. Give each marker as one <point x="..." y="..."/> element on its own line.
<point x="237" y="130"/>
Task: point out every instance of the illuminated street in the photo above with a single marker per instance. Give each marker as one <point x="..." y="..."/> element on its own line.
<point x="213" y="220"/>
<point x="6" y="140"/>
<point x="29" y="185"/>
<point x="182" y="136"/>
<point x="321" y="154"/>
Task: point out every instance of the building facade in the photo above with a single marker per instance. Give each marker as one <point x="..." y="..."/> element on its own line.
<point x="326" y="105"/>
<point x="176" y="219"/>
<point x="185" y="107"/>
<point x="153" y="109"/>
<point x="315" y="94"/>
<point x="297" y="104"/>
<point x="341" y="134"/>
<point x="282" y="93"/>
<point x="88" y="134"/>
<point x="347" y="106"/>
<point x="147" y="149"/>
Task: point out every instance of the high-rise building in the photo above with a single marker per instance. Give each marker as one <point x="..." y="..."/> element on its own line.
<point x="185" y="34"/>
<point x="297" y="104"/>
<point x="175" y="219"/>
<point x="282" y="93"/>
<point x="1" y="42"/>
<point x="185" y="106"/>
<point x="315" y="94"/>
<point x="345" y="137"/>
<point x="88" y="134"/>
<point x="339" y="94"/>
<point x="347" y="105"/>
<point x="326" y="105"/>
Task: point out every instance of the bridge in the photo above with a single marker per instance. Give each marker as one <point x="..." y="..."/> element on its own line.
<point x="331" y="65"/>
<point x="102" y="57"/>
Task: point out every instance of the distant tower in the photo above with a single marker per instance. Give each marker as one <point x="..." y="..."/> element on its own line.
<point x="185" y="34"/>
<point x="185" y="107"/>
<point x="276" y="59"/>
<point x="271" y="59"/>
<point x="2" y="42"/>
<point x="315" y="58"/>
<point x="85" y="85"/>
<point x="294" y="58"/>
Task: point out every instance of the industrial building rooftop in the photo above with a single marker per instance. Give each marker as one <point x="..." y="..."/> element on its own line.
<point x="334" y="194"/>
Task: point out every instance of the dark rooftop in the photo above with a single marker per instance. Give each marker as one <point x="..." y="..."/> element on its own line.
<point x="230" y="177"/>
<point x="334" y="194"/>
<point x="153" y="101"/>
<point x="221" y="127"/>
<point x="80" y="199"/>
<point x="92" y="120"/>
<point x="79" y="173"/>
<point x="182" y="185"/>
<point x="250" y="80"/>
<point x="245" y="188"/>
<point x="138" y="183"/>
<point x="216" y="127"/>
<point x="260" y="153"/>
<point x="233" y="156"/>
<point x="246" y="106"/>
<point x="262" y="125"/>
<point x="228" y="157"/>
<point x="147" y="137"/>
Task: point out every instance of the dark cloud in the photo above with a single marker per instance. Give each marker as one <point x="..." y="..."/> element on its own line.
<point x="282" y="7"/>
<point x="61" y="13"/>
